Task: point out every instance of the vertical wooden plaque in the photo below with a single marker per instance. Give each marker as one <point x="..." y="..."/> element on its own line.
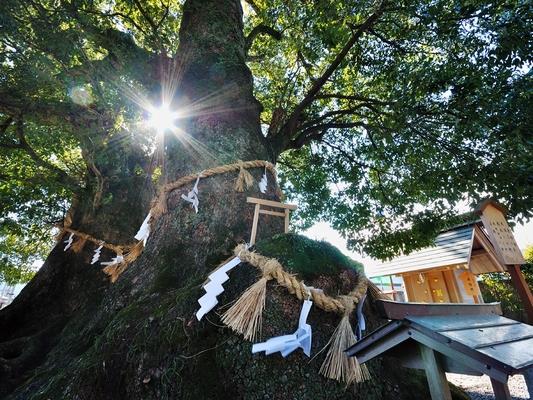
<point x="501" y="235"/>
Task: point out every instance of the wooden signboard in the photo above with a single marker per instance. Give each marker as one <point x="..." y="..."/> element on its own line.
<point x="500" y="234"/>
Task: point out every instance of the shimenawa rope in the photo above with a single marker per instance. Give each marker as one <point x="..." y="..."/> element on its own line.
<point x="245" y="315"/>
<point x="159" y="207"/>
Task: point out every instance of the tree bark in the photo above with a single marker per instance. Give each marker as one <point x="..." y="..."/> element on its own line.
<point x="72" y="334"/>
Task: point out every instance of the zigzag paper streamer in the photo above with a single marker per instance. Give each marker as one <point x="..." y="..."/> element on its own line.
<point x="116" y="260"/>
<point x="144" y="230"/>
<point x="192" y="196"/>
<point x="214" y="287"/>
<point x="361" y="323"/>
<point x="69" y="241"/>
<point x="96" y="255"/>
<point x="263" y="183"/>
<point x="286" y="344"/>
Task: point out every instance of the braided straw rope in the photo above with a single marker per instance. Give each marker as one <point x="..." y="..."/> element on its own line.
<point x="85" y="236"/>
<point x="159" y="204"/>
<point x="272" y="269"/>
<point x="159" y="207"/>
<point x="245" y="315"/>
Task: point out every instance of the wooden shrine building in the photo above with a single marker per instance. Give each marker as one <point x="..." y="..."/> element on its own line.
<point x="446" y="272"/>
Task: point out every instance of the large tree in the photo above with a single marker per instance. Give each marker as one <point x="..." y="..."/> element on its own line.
<point x="381" y="116"/>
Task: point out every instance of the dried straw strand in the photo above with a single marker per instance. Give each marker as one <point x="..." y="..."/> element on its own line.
<point x="245" y="180"/>
<point x="77" y="246"/>
<point x="246" y="315"/>
<point x="337" y="365"/>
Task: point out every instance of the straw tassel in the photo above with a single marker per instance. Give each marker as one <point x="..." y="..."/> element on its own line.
<point x="244" y="180"/>
<point x="116" y="269"/>
<point x="134" y="252"/>
<point x="375" y="293"/>
<point x="337" y="365"/>
<point x="77" y="246"/>
<point x="246" y="315"/>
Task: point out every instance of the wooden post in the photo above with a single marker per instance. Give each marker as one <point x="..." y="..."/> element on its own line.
<point x="254" y="224"/>
<point x="272" y="204"/>
<point x="500" y="389"/>
<point x="528" y="377"/>
<point x="438" y="384"/>
<point x="522" y="288"/>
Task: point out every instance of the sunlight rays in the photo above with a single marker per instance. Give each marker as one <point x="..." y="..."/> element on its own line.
<point x="162" y="118"/>
<point x="165" y="118"/>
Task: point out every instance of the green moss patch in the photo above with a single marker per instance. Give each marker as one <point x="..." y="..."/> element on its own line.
<point x="307" y="257"/>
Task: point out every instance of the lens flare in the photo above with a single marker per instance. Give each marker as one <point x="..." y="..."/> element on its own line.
<point x="162" y="118"/>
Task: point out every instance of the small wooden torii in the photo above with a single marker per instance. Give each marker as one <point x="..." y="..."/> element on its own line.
<point x="259" y="203"/>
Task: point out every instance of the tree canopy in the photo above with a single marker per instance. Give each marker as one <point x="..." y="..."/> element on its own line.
<point x="382" y="115"/>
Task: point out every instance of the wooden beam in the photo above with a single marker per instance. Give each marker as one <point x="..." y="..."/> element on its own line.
<point x="275" y="213"/>
<point x="286" y="225"/>
<point x="528" y="377"/>
<point x="478" y="252"/>
<point x="522" y="288"/>
<point x="438" y="384"/>
<point x="381" y="346"/>
<point x="398" y="310"/>
<point x="471" y="359"/>
<point x="270" y="203"/>
<point x="487" y="245"/>
<point x="254" y="224"/>
<point x="500" y="389"/>
<point x="450" y="267"/>
<point x="451" y="284"/>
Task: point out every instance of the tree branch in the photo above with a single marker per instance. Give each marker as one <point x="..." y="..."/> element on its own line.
<point x="23" y="144"/>
<point x="260" y="29"/>
<point x="254" y="6"/>
<point x="387" y="41"/>
<point x="307" y="66"/>
<point x="118" y="14"/>
<point x="352" y="111"/>
<point x="165" y="14"/>
<point x="5" y="125"/>
<point x="146" y="16"/>
<point x="290" y="127"/>
<point x="124" y="54"/>
<point x="52" y="112"/>
<point x="352" y="97"/>
<point x="316" y="132"/>
<point x="349" y="157"/>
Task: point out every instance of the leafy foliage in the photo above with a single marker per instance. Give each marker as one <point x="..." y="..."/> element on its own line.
<point x="498" y="287"/>
<point x="18" y="257"/>
<point x="429" y="108"/>
<point x="383" y="115"/>
<point x="35" y="191"/>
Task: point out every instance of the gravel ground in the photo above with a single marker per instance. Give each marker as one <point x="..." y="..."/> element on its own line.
<point x="479" y="387"/>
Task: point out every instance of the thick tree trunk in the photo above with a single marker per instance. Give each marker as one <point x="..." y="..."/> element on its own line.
<point x="73" y="334"/>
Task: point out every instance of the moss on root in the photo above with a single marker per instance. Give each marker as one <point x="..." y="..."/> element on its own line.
<point x="153" y="347"/>
<point x="306" y="257"/>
